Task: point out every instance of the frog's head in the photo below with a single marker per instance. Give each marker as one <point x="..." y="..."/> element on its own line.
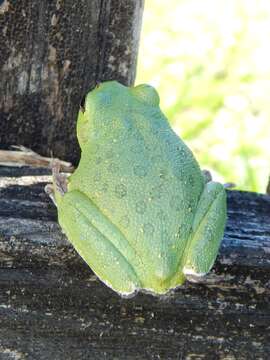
<point x="97" y="108"/>
<point x="111" y="102"/>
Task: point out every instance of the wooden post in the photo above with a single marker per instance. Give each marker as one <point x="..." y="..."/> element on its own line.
<point x="51" y="54"/>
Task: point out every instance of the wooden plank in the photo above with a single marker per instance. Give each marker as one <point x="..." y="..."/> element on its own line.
<point x="52" y="53"/>
<point x="53" y="307"/>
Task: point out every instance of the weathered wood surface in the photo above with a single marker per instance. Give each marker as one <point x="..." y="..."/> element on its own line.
<point x="53" y="307"/>
<point x="51" y="54"/>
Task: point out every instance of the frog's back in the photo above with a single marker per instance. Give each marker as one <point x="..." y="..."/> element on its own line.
<point x="138" y="173"/>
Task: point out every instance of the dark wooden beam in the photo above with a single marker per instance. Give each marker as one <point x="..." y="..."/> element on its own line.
<point x="52" y="53"/>
<point x="53" y="307"/>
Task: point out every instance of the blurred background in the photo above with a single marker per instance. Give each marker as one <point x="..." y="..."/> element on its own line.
<point x="210" y="62"/>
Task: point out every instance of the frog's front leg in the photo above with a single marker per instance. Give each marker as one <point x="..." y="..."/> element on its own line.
<point x="99" y="242"/>
<point x="207" y="230"/>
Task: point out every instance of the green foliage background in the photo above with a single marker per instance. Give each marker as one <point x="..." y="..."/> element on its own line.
<point x="210" y="62"/>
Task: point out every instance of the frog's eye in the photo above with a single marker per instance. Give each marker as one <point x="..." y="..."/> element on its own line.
<point x="82" y="104"/>
<point x="147" y="94"/>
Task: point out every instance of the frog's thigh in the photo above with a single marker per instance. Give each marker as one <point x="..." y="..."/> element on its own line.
<point x="91" y="233"/>
<point x="207" y="230"/>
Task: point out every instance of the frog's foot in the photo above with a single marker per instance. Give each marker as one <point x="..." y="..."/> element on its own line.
<point x="59" y="185"/>
<point x="207" y="231"/>
<point x="50" y="192"/>
<point x="208" y="177"/>
<point x="59" y="180"/>
<point x="99" y="242"/>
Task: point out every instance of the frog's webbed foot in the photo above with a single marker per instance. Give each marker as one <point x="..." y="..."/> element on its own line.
<point x="59" y="182"/>
<point x="208" y="177"/>
<point x="207" y="231"/>
<point x="50" y="192"/>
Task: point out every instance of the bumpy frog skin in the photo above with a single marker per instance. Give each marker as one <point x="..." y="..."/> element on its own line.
<point x="138" y="209"/>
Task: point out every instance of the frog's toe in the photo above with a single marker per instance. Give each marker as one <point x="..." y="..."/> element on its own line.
<point x="193" y="273"/>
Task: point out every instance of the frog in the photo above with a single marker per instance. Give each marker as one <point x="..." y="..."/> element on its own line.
<point x="138" y="209"/>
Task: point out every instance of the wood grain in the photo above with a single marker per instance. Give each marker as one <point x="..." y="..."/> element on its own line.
<point x="53" y="307"/>
<point x="52" y="54"/>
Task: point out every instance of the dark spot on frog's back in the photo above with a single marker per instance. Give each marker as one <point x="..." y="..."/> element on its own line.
<point x="140" y="170"/>
<point x="178" y="171"/>
<point x="120" y="191"/>
<point x="95" y="148"/>
<point x="98" y="160"/>
<point x="138" y="144"/>
<point x="113" y="168"/>
<point x="124" y="221"/>
<point x="161" y="215"/>
<point x="148" y="229"/>
<point x="191" y="181"/>
<point x="157" y="191"/>
<point x="140" y="207"/>
<point x="177" y="203"/>
<point x="109" y="154"/>
<point x="97" y="177"/>
<point x="102" y="187"/>
<point x="156" y="159"/>
<point x="128" y="125"/>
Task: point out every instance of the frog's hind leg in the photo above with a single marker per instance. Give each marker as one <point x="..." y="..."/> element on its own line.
<point x="207" y="231"/>
<point x="98" y="242"/>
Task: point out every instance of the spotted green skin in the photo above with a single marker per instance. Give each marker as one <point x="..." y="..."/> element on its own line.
<point x="138" y="209"/>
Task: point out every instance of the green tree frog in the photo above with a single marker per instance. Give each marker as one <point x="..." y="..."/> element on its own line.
<point x="138" y="209"/>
